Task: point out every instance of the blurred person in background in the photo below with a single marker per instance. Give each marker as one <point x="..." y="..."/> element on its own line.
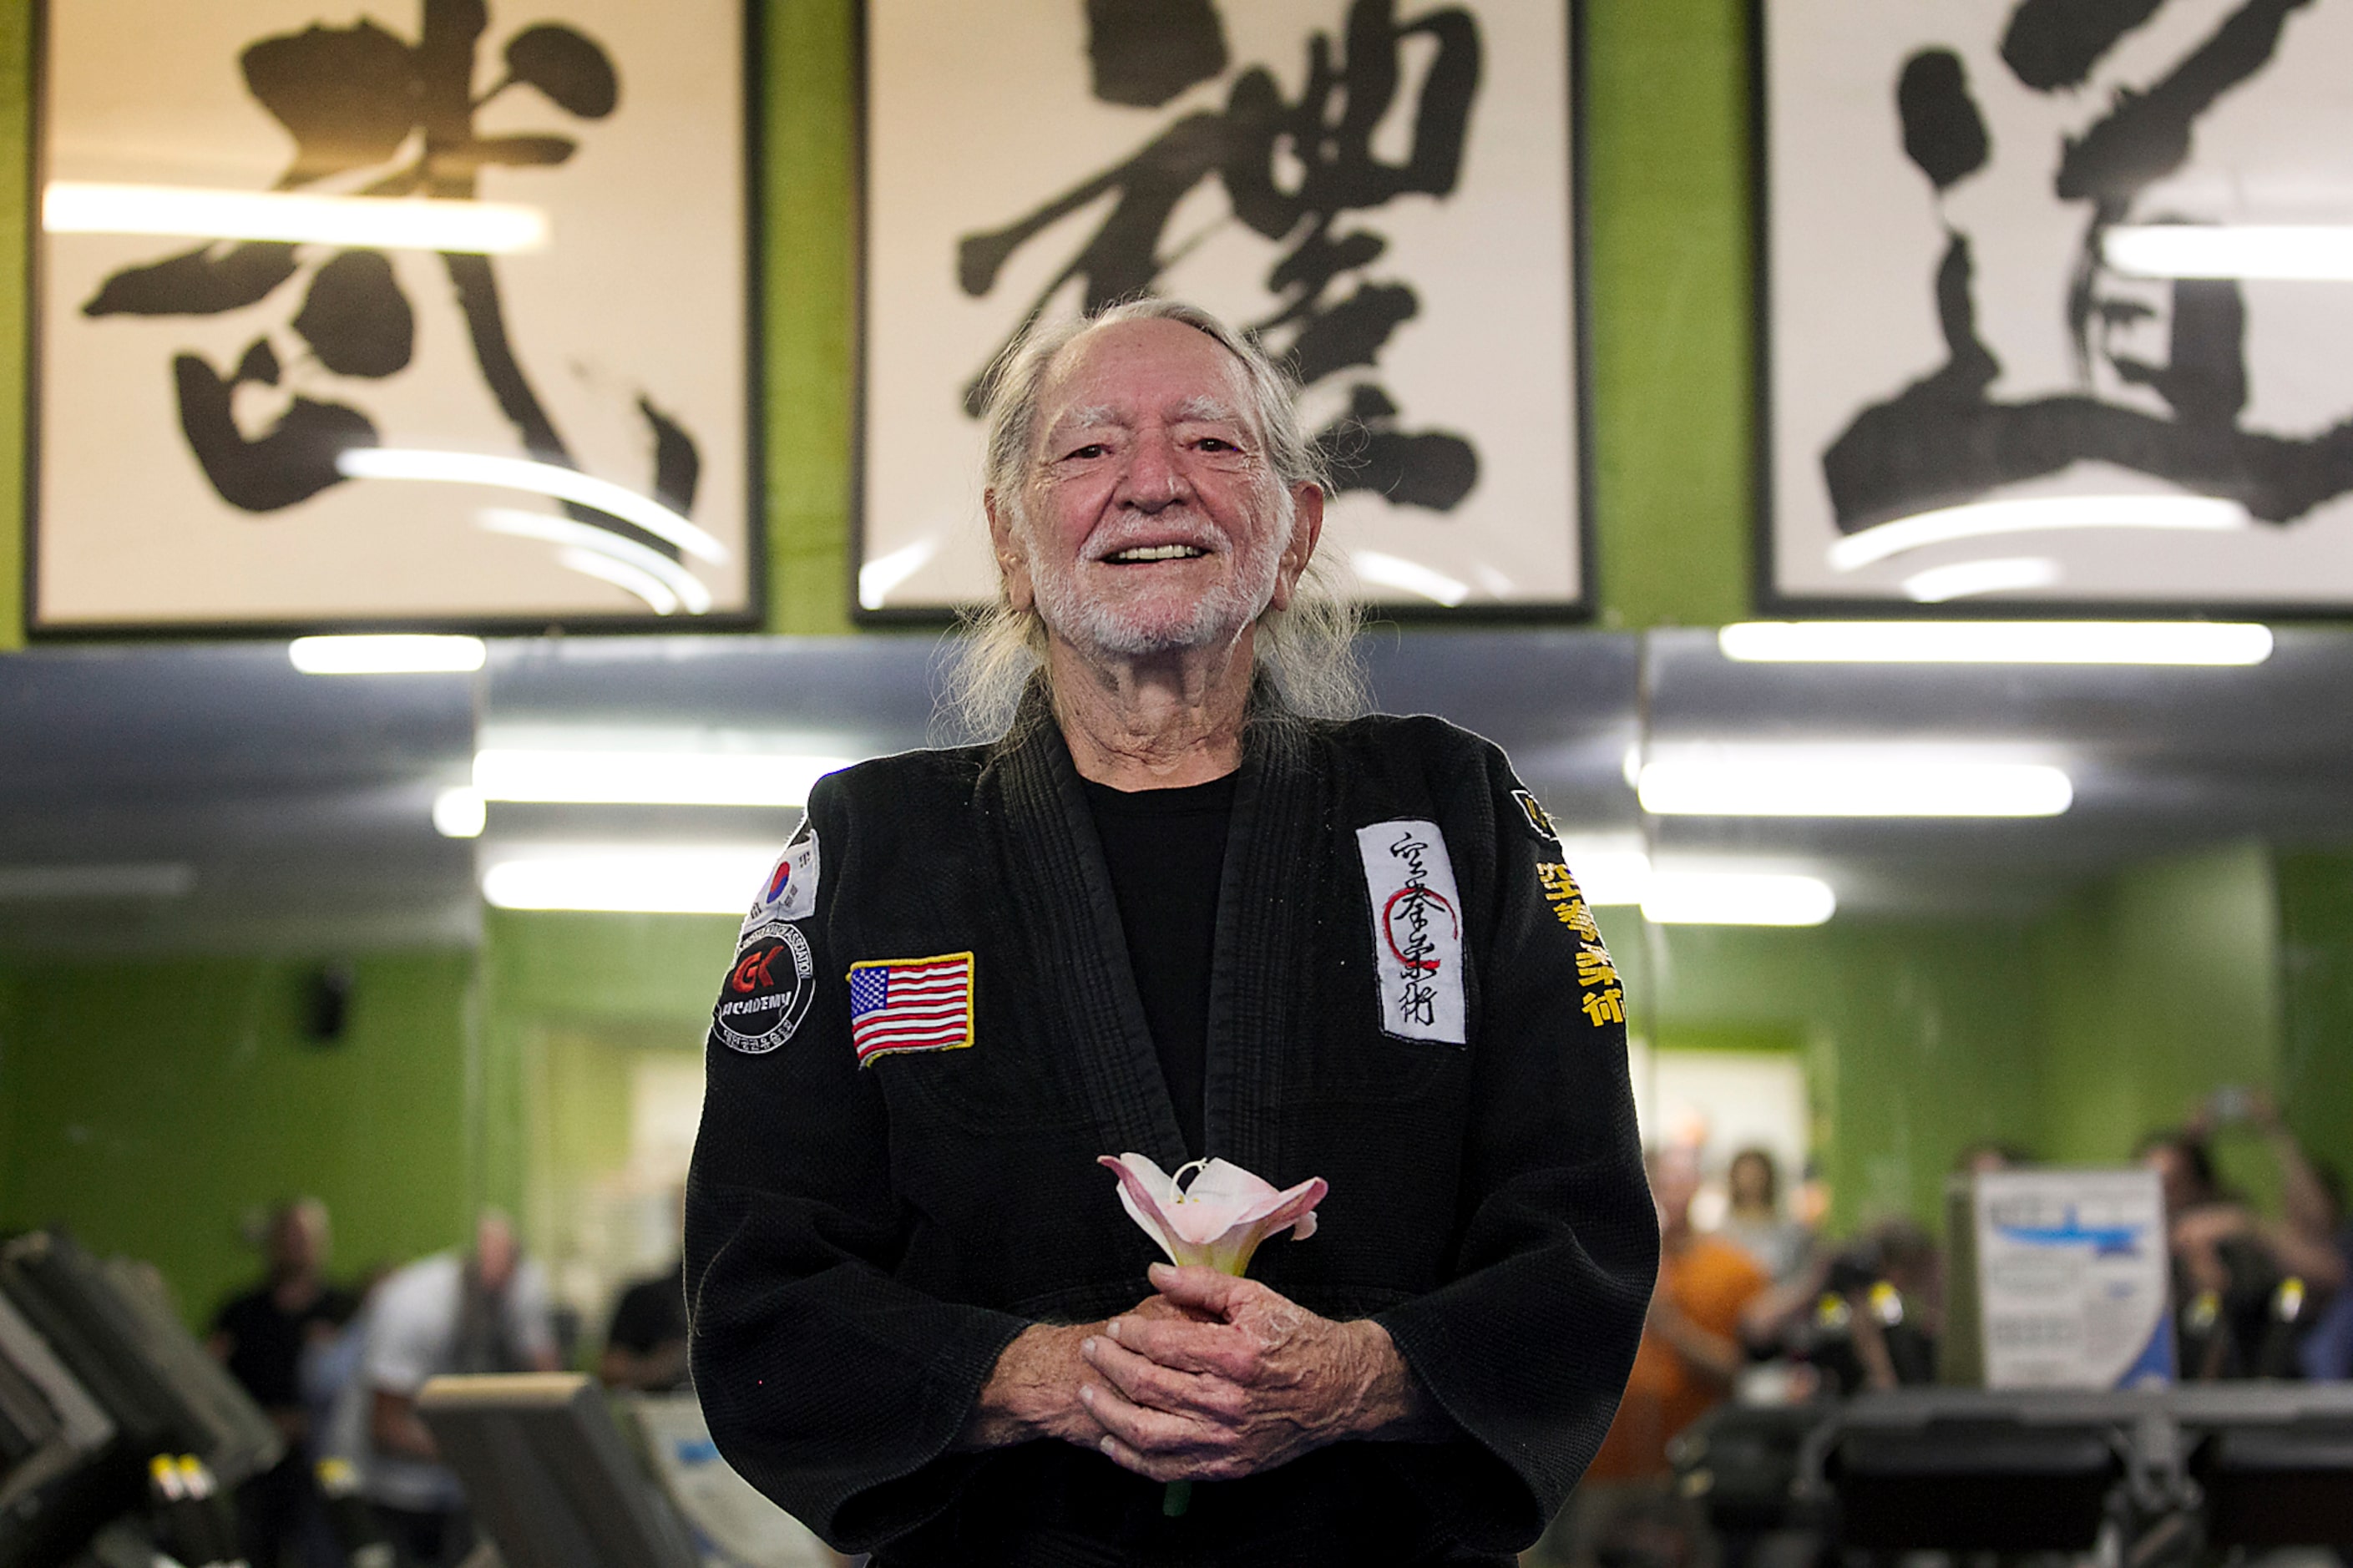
<point x="645" y="1345"/>
<point x="261" y="1337"/>
<point x="2326" y="1352"/>
<point x="1627" y="1508"/>
<point x="1863" y="1316"/>
<point x="1754" y="1221"/>
<point x="483" y="1311"/>
<point x="2248" y="1289"/>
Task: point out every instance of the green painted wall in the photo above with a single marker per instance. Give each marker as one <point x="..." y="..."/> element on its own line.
<point x="1666" y="118"/>
<point x="572" y="999"/>
<point x="1914" y="1045"/>
<point x="2316" y="1061"/>
<point x="1667" y="182"/>
<point x="2158" y="986"/>
<point x="649" y="969"/>
<point x="154" y="1105"/>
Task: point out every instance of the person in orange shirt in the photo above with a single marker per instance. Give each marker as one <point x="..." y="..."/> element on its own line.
<point x="1691" y="1351"/>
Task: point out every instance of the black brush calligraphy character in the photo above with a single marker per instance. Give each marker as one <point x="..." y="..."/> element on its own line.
<point x="1946" y="440"/>
<point x="1292" y="170"/>
<point x="355" y="317"/>
<point x="2053" y="43"/>
<point x="1145" y="52"/>
<point x="351" y="100"/>
<point x="293" y="461"/>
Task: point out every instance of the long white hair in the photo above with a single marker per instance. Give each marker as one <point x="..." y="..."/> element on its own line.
<point x="1304" y="656"/>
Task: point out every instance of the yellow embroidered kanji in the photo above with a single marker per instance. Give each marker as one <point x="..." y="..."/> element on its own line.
<point x="1594" y="968"/>
<point x="1578" y="919"/>
<point x="1605" y="1006"/>
<point x="1556" y="881"/>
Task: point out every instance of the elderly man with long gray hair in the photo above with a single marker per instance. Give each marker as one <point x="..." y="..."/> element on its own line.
<point x="1180" y="902"/>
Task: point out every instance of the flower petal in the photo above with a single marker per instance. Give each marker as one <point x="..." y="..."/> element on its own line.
<point x="1294" y="1210"/>
<point x="1142" y="1186"/>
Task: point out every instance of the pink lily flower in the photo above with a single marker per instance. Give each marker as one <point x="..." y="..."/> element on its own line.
<point x="1220" y="1217"/>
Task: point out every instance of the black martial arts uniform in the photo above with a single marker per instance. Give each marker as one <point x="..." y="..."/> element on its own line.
<point x="1436" y="1032"/>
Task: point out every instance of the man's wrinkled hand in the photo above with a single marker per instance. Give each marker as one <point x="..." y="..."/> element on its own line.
<point x="1238" y="1381"/>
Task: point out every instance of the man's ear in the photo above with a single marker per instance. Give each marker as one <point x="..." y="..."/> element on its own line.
<point x="1012" y="561"/>
<point x="1307" y="528"/>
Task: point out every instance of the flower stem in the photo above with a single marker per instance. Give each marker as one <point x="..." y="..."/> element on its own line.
<point x="1174" y="1502"/>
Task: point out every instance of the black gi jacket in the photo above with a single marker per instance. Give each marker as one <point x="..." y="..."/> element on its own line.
<point x="862" y="1242"/>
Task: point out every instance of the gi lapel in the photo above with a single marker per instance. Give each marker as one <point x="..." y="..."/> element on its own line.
<point x="1277" y="856"/>
<point x="1063" y="909"/>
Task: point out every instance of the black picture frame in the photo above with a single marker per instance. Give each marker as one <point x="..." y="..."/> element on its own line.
<point x="1873" y="124"/>
<point x="1576" y="357"/>
<point x="747" y="193"/>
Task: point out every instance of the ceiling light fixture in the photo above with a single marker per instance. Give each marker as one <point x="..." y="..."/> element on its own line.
<point x="1847" y="782"/>
<point x="1410" y="577"/>
<point x="1610" y="868"/>
<point x="648" y="778"/>
<point x="539" y="479"/>
<point x="2034" y="514"/>
<point x="879" y="577"/>
<point x="375" y="222"/>
<point x="1997" y="642"/>
<point x="2298" y="253"/>
<point x="672" y="587"/>
<point x="674" y="880"/>
<point x="460" y="812"/>
<point x="1967" y="579"/>
<point x="1737" y="898"/>
<point x="386" y="653"/>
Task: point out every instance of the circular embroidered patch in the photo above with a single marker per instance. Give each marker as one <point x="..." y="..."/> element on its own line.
<point x="767" y="991"/>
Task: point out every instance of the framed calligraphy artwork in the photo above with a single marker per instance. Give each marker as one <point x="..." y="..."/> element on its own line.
<point x="1382" y="192"/>
<point x="2053" y="306"/>
<point x="435" y="315"/>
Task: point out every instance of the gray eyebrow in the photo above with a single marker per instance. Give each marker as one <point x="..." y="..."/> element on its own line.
<point x="1208" y="411"/>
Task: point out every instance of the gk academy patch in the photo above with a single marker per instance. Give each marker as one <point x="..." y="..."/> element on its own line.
<point x="1416" y="930"/>
<point x="766" y="993"/>
<point x="1533" y="811"/>
<point x="910" y="1004"/>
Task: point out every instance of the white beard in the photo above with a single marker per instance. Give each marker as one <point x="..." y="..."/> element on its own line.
<point x="1219" y="616"/>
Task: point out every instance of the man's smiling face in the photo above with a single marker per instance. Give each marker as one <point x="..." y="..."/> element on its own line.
<point x="1151" y="522"/>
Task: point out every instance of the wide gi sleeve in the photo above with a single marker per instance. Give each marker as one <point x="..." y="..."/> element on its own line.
<point x="834" y="1388"/>
<point x="1528" y="1345"/>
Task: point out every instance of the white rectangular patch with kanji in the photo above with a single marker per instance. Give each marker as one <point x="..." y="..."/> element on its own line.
<point x="1416" y="930"/>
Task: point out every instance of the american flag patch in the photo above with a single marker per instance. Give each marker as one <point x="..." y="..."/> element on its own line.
<point x="910" y="1004"/>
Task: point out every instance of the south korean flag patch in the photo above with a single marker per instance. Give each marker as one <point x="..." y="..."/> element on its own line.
<point x="789" y="891"/>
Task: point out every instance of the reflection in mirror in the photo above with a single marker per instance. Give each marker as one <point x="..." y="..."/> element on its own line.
<point x="2026" y="911"/>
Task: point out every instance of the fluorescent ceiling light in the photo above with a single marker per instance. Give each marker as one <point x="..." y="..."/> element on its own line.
<point x="402" y="653"/>
<point x="539" y="479"/>
<point x="648" y="778"/>
<point x="623" y="575"/>
<point x="879" y="576"/>
<point x="672" y="587"/>
<point x="683" y="880"/>
<point x="1848" y="782"/>
<point x="1409" y="576"/>
<point x="1996" y="642"/>
<point x="460" y="812"/>
<point x="2306" y="253"/>
<point x="2195" y="514"/>
<point x="1963" y="579"/>
<point x="1609" y="868"/>
<point x="58" y="884"/>
<point x="378" y="223"/>
<point x="1737" y="898"/>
